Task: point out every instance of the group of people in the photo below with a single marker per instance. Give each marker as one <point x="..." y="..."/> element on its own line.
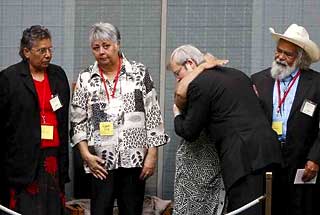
<point x="267" y="123"/>
<point x="115" y="123"/>
<point x="233" y="128"/>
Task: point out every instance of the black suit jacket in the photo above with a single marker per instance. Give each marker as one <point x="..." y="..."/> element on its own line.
<point x="302" y="141"/>
<point x="20" y="123"/>
<point x="222" y="101"/>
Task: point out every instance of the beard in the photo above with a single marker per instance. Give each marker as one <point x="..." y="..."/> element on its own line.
<point x="281" y="69"/>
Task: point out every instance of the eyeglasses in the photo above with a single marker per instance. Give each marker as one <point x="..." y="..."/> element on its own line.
<point x="287" y="54"/>
<point x="43" y="51"/>
<point x="177" y="72"/>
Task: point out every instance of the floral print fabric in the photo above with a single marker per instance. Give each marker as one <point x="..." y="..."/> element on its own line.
<point x="44" y="195"/>
<point x="134" y="113"/>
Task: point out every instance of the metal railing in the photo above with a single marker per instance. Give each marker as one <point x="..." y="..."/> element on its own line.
<point x="266" y="198"/>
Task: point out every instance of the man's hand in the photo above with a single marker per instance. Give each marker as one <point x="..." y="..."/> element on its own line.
<point x="311" y="169"/>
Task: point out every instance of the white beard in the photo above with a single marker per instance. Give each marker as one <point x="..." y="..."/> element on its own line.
<point x="281" y="70"/>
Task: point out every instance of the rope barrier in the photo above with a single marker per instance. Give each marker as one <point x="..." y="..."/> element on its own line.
<point x="7" y="210"/>
<point x="249" y="205"/>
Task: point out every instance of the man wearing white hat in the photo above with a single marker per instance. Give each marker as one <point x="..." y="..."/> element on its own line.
<point x="290" y="95"/>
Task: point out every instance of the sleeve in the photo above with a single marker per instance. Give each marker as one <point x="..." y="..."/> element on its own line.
<point x="78" y="113"/>
<point x="190" y="124"/>
<point x="64" y="149"/>
<point x="314" y="151"/>
<point x="3" y="99"/>
<point x="154" y="122"/>
<point x="4" y="92"/>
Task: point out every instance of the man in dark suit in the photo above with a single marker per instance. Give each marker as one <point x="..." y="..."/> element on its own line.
<point x="221" y="101"/>
<point x="290" y="93"/>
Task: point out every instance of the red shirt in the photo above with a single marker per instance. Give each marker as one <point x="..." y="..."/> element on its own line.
<point x="47" y="115"/>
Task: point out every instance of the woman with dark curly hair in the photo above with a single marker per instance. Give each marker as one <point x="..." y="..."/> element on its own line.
<point x="34" y="102"/>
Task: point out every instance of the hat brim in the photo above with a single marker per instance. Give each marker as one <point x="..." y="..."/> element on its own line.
<point x="307" y="45"/>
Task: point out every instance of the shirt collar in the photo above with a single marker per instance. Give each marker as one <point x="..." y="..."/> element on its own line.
<point x="125" y="67"/>
<point x="290" y="77"/>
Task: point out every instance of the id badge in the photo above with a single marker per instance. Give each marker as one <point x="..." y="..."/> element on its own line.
<point x="308" y="107"/>
<point x="277" y="127"/>
<point x="55" y="103"/>
<point x="106" y="128"/>
<point x="47" y="132"/>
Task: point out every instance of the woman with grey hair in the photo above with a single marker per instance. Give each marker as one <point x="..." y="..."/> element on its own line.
<point x="116" y="124"/>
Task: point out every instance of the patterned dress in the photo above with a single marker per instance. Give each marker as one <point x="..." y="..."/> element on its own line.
<point x="198" y="188"/>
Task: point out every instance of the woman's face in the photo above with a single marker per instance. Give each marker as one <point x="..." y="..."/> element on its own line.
<point x="105" y="52"/>
<point x="40" y="55"/>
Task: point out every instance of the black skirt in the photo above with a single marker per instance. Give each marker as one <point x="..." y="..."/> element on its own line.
<point x="43" y="195"/>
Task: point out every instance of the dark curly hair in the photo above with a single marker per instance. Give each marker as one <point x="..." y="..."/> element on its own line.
<point x="30" y="35"/>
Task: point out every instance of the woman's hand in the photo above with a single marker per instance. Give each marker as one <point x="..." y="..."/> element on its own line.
<point x="212" y="61"/>
<point x="96" y="166"/>
<point x="149" y="164"/>
<point x="95" y="163"/>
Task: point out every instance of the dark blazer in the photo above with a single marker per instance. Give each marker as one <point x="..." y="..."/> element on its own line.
<point x="222" y="101"/>
<point x="20" y="123"/>
<point x="302" y="142"/>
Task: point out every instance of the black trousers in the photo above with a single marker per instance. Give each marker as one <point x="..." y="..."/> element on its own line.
<point x="293" y="199"/>
<point x="246" y="190"/>
<point x="122" y="184"/>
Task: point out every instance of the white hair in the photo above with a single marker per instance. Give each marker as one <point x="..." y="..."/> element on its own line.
<point x="185" y="52"/>
<point x="303" y="59"/>
<point x="281" y="69"/>
<point x="104" y="31"/>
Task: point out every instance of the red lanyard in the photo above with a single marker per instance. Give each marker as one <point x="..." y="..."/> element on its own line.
<point x="281" y="100"/>
<point x="44" y="98"/>
<point x="115" y="81"/>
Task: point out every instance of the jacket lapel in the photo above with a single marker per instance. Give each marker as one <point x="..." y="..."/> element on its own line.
<point x="302" y="89"/>
<point x="26" y="77"/>
<point x="52" y="80"/>
<point x="266" y="92"/>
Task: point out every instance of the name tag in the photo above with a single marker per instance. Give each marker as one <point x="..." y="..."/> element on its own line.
<point x="106" y="128"/>
<point x="47" y="132"/>
<point x="308" y="107"/>
<point x="55" y="103"/>
<point x="277" y="127"/>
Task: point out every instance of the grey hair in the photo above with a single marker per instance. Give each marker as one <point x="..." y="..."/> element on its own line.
<point x="185" y="52"/>
<point x="303" y="59"/>
<point x="104" y="31"/>
<point x="30" y="36"/>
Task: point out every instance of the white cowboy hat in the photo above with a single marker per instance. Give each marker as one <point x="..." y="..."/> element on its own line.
<point x="299" y="36"/>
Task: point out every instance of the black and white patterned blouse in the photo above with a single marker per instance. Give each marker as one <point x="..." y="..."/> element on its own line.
<point x="134" y="112"/>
